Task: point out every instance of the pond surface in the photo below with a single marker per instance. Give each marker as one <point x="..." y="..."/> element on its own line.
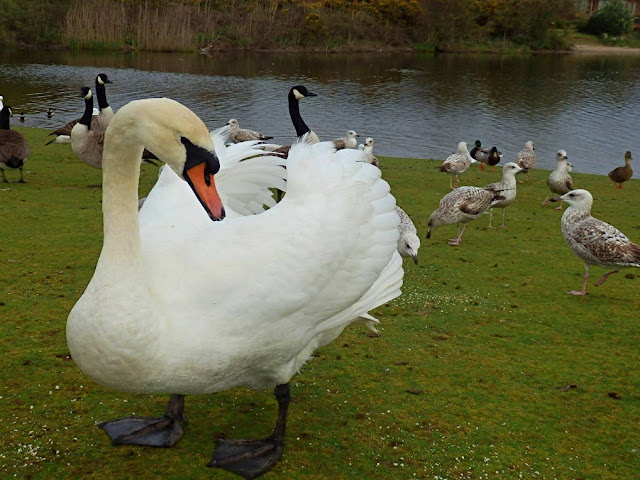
<point x="413" y="105"/>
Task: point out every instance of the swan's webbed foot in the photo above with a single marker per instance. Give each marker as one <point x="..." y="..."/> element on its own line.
<point x="251" y="458"/>
<point x="149" y="431"/>
<point x="248" y="458"/>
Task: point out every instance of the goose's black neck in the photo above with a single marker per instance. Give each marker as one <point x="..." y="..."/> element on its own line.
<point x="101" y="93"/>
<point x="5" y="113"/>
<point x="294" y="111"/>
<point x="88" y="112"/>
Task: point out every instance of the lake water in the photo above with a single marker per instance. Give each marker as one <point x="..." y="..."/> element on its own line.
<point x="413" y="105"/>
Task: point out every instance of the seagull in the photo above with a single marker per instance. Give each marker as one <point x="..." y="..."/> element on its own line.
<point x="619" y="175"/>
<point x="408" y="242"/>
<point x="526" y="157"/>
<point x="461" y="206"/>
<point x="507" y="187"/>
<point x="594" y="241"/>
<point x="368" y="152"/>
<point x="457" y="163"/>
<point x="348" y="141"/>
<point x="237" y="134"/>
<point x="559" y="181"/>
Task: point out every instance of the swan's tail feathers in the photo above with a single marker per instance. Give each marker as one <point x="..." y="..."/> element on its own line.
<point x="369" y="322"/>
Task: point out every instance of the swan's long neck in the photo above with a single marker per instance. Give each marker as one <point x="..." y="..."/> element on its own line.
<point x="296" y="118"/>
<point x="120" y="176"/>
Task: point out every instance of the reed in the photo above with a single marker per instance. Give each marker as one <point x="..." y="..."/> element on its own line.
<point x="258" y="25"/>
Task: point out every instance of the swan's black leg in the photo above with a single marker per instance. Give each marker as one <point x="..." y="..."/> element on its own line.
<point x="150" y="431"/>
<point x="251" y="458"/>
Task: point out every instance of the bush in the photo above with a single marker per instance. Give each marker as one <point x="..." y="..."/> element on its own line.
<point x="613" y="19"/>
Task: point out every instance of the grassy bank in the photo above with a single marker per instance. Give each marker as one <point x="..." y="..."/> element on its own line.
<point x="485" y="368"/>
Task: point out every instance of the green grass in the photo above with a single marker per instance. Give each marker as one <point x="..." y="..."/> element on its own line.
<point x="468" y="380"/>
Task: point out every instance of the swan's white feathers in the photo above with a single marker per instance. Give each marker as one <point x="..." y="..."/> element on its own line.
<point x="204" y="306"/>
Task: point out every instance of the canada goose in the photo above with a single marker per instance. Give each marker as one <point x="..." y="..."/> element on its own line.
<point x="559" y="181"/>
<point x="49" y="113"/>
<point x="207" y="306"/>
<point x="296" y="94"/>
<point x="457" y="163"/>
<point x="480" y="154"/>
<point x="595" y="242"/>
<point x="619" y="175"/>
<point x="22" y="117"/>
<point x="461" y="206"/>
<point x="348" y="141"/>
<point x="408" y="241"/>
<point x="526" y="158"/>
<point x="237" y="134"/>
<point x="99" y="120"/>
<point x="87" y="142"/>
<point x="368" y="152"/>
<point x="14" y="149"/>
<point x="506" y="188"/>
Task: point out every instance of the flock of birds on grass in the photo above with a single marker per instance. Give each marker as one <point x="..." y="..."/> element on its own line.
<point x="182" y="305"/>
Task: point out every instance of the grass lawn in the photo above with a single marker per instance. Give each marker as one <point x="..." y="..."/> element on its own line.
<point x="485" y="367"/>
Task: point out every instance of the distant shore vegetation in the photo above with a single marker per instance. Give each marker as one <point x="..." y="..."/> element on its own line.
<point x="325" y="25"/>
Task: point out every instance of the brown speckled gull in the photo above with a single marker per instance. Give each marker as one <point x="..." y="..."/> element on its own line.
<point x="457" y="163"/>
<point x="559" y="181"/>
<point x="594" y="241"/>
<point x="461" y="206"/>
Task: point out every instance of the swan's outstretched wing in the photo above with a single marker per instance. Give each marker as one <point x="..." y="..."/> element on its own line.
<point x="303" y="270"/>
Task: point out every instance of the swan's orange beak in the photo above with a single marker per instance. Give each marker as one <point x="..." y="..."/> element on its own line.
<point x="199" y="168"/>
<point x="201" y="181"/>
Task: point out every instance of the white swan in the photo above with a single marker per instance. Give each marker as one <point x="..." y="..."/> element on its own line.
<point x="181" y="308"/>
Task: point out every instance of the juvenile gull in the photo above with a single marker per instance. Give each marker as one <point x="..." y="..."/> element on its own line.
<point x="526" y="157"/>
<point x="237" y="134"/>
<point x="559" y="181"/>
<point x="594" y="241"/>
<point x="619" y="175"/>
<point x="507" y="189"/>
<point x="348" y="141"/>
<point x="457" y="163"/>
<point x="408" y="241"/>
<point x="461" y="206"/>
<point x="368" y="152"/>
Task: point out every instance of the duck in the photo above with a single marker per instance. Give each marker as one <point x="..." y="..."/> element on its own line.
<point x="408" y="241"/>
<point x="210" y="305"/>
<point x="348" y="141"/>
<point x="595" y="242"/>
<point x="526" y="158"/>
<point x="237" y="134"/>
<point x="457" y="163"/>
<point x="100" y="117"/>
<point x="619" y="175"/>
<point x="460" y="206"/>
<point x="367" y="148"/>
<point x="494" y="158"/>
<point x="560" y="181"/>
<point x="507" y="189"/>
<point x="14" y="149"/>
<point x="480" y="154"/>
